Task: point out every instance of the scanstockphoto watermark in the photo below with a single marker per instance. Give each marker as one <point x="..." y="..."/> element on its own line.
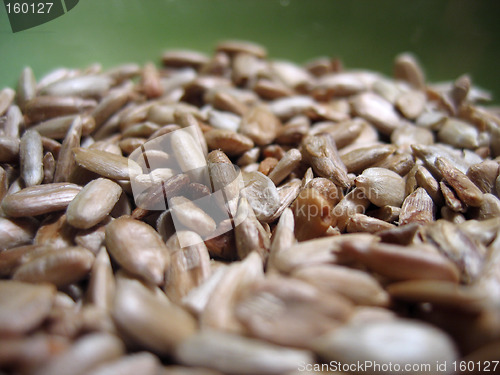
<point x="375" y="367"/>
<point x="176" y="164"/>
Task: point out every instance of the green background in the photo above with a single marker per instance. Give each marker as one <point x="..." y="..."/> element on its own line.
<point x="449" y="37"/>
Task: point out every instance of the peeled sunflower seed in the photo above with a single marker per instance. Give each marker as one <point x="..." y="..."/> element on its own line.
<point x="138" y="248"/>
<point x="31" y="153"/>
<point x="262" y="195"/>
<point x="93" y="203"/>
<point x="404" y="341"/>
<point x="211" y="349"/>
<point x="146" y="315"/>
<point x="382" y="186"/>
<point x="106" y="164"/>
<point x="41" y="199"/>
<point x="24" y="306"/>
<point x="57" y="266"/>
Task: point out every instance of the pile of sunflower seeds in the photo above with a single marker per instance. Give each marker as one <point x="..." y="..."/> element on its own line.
<point x="349" y="216"/>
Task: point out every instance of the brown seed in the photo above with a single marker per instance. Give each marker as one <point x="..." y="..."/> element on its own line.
<point x="451" y="199"/>
<point x="354" y="202"/>
<point x="239" y="46"/>
<point x="187" y="214"/>
<point x="66" y="160"/>
<point x="57" y="266"/>
<point x="41" y="199"/>
<point x="150" y="81"/>
<point x="83" y="86"/>
<point x="411" y="104"/>
<point x="182" y="58"/>
<point x="312" y="213"/>
<point x="9" y="149"/>
<point x="138" y="248"/>
<point x="233" y="144"/>
<point x="484" y="175"/>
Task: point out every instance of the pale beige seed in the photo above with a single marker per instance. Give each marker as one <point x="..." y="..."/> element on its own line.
<point x="388" y="214"/>
<point x="14" y="121"/>
<point x="31" y="153"/>
<point x="451" y="198"/>
<point x="218" y="312"/>
<point x="290" y="312"/>
<point x="87" y="353"/>
<point x="358" y="286"/>
<point x="57" y="266"/>
<point x="425" y="179"/>
<point x="411" y="103"/>
<point x="403" y="263"/>
<point x="146" y="315"/>
<point x="101" y="289"/>
<point x="466" y="190"/>
<point x="283" y="237"/>
<point x="189" y="265"/>
<point x="84" y="86"/>
<point x="150" y="81"/>
<point x="317" y="251"/>
<point x="404" y="341"/>
<point x="224" y="120"/>
<point x="49" y="168"/>
<point x="382" y="186"/>
<point x="260" y="125"/>
<point x="197" y="298"/>
<point x="44" y="107"/>
<point x="459" y="134"/>
<point x="93" y="203"/>
<point x="41" y="199"/>
<point x="354" y="202"/>
<point x="377" y="111"/>
<point x="58" y="127"/>
<point x="23" y="306"/>
<point x="26" y="86"/>
<point x="224" y="177"/>
<point x="233" y="144"/>
<point x="182" y="58"/>
<point x="55" y="231"/>
<point x="321" y="153"/>
<point x="111" y="104"/>
<point x="490" y="208"/>
<point x="138" y="248"/>
<point x="484" y="175"/>
<point x="66" y="160"/>
<point x="143" y="363"/>
<point x="408" y="135"/>
<point x="363" y="223"/>
<point x="401" y="163"/>
<point x="294" y="130"/>
<point x="262" y="194"/>
<point x="418" y="207"/>
<point x="241" y="46"/>
<point x="6" y="99"/>
<point x="288" y="107"/>
<point x="246" y="356"/>
<point x="189" y="215"/>
<point x="226" y="102"/>
<point x="287" y="193"/>
<point x="340" y="84"/>
<point x="249" y="233"/>
<point x="106" y="164"/>
<point x="285" y="166"/>
<point x="361" y="158"/>
<point x="407" y="68"/>
<point x="269" y="89"/>
<point x="291" y="74"/>
<point x="9" y="149"/>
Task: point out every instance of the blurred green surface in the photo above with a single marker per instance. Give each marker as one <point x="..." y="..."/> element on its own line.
<point x="449" y="37"/>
